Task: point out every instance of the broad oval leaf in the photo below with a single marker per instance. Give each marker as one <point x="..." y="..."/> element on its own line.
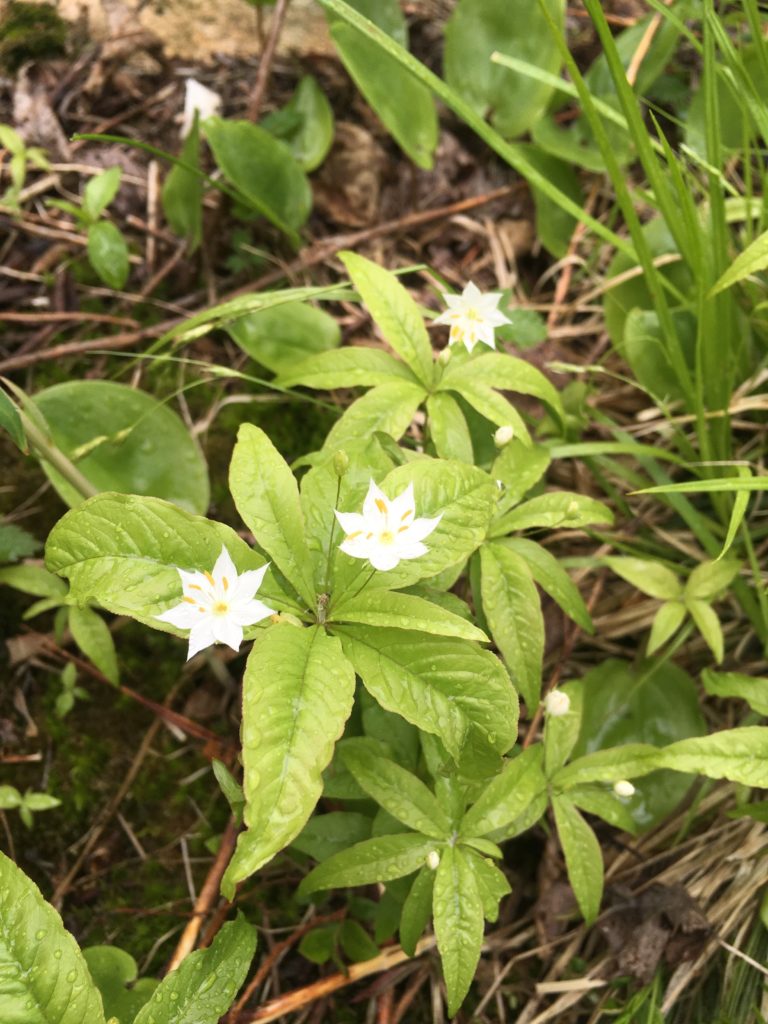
<point x="448" y="428"/>
<point x="267" y="497"/>
<point x="305" y="124"/>
<point x="506" y="373"/>
<point x="650" y="577"/>
<point x="279" y="336"/>
<point x="666" y="623"/>
<point x="519" y="467"/>
<point x="45" y="978"/>
<point x="297" y="694"/>
<point x="507" y="795"/>
<point x="387" y="408"/>
<point x="457" y="909"/>
<point x="442" y="685"/>
<point x="349" y="367"/>
<point x="556" y="509"/>
<point x="100" y="191"/>
<point x="381" y="859"/>
<point x="583" y="857"/>
<point x="108" y="253"/>
<point x="123" y="440"/>
<point x="204" y="985"/>
<point x="115" y="974"/>
<point x="327" y="834"/>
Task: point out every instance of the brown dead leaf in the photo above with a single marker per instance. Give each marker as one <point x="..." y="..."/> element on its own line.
<point x="34" y="117"/>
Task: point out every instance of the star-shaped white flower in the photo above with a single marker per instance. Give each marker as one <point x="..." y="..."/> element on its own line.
<point x="198" y="97"/>
<point x="216" y="605"/>
<point x="387" y="531"/>
<point x="472" y="317"/>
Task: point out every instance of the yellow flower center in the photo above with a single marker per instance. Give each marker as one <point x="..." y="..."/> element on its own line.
<point x="472" y="314"/>
<point x="220" y="608"/>
<point x="386" y="537"/>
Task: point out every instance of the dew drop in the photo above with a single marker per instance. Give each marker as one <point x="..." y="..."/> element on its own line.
<point x="57" y="954"/>
<point x="40" y="935"/>
<point x="71" y="975"/>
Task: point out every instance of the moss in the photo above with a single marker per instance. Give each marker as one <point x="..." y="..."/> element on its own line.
<point x="30" y="32"/>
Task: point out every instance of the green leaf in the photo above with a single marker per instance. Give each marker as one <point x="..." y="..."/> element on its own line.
<point x="10" y="421"/>
<point x="182" y="192"/>
<point x="751" y="261"/>
<point x="230" y="787"/>
<point x="327" y="834"/>
<point x="457" y="908"/>
<point x="375" y="860"/>
<point x="519" y="467"/>
<point x="708" y="625"/>
<point x="92" y="636"/>
<point x="417" y="910"/>
<point x="739" y="755"/>
<point x="108" y="253"/>
<point x="115" y="973"/>
<point x="297" y="694"/>
<point x="752" y="689"/>
<point x="442" y="685"/>
<point x="319" y="945"/>
<point x="629" y="761"/>
<point x="583" y="857"/>
<point x="405" y="611"/>
<point x="33" y="579"/>
<point x="356" y="942"/>
<point x="123" y="440"/>
<point x="404" y="105"/>
<point x="710" y="579"/>
<point x="556" y="509"/>
<point x="505" y="373"/>
<point x="488" y="403"/>
<point x="448" y="428"/>
<point x="492" y="883"/>
<point x="666" y="623"/>
<point x="124" y="553"/>
<point x="511" y="606"/>
<point x="507" y="795"/>
<point x="651" y="578"/>
<point x="10" y="798"/>
<point x="561" y="732"/>
<point x="388" y="408"/>
<point x="554" y="227"/>
<point x="478" y="28"/>
<point x="203" y="986"/>
<point x="267" y="498"/>
<point x="40" y="801"/>
<point x="45" y="978"/>
<point x="552" y="578"/>
<point x="398" y="791"/>
<point x="394" y="312"/>
<point x="305" y="124"/>
<point x="605" y="804"/>
<point x="349" y="367"/>
<point x="281" y="336"/>
<point x="263" y="171"/>
<point x="16" y="543"/>
<point x="100" y="191"/>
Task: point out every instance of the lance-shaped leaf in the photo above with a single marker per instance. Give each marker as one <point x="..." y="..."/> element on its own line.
<point x="124" y="552"/>
<point x="398" y="791"/>
<point x="92" y="636"/>
<point x="204" y="985"/>
<point x="492" y="883"/>
<point x="739" y="755"/>
<point x="505" y="373"/>
<point x="512" y="608"/>
<point x="417" y="910"/>
<point x="448" y="428"/>
<point x="752" y="689"/>
<point x="297" y="694"/>
<point x="559" y="509"/>
<point x="650" y="577"/>
<point x="710" y="579"/>
<point x="395" y="313"/>
<point x="507" y="795"/>
<point x="45" y="979"/>
<point x="626" y="762"/>
<point x="708" y="624"/>
<point x="11" y="421"/>
<point x="267" y="498"/>
<point x="457" y="908"/>
<point x="388" y="408"/>
<point x="552" y="578"/>
<point x="440" y="684"/>
<point x="666" y="623"/>
<point x="487" y="402"/>
<point x="605" y="804"/>
<point x="405" y="611"/>
<point x="583" y="858"/>
<point x="519" y="467"/>
<point x="375" y="860"/>
<point x="348" y="367"/>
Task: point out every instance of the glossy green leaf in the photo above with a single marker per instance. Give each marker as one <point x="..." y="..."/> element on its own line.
<point x="513" y="611"/>
<point x="739" y="755"/>
<point x="280" y="337"/>
<point x="457" y="908"/>
<point x="519" y="467"/>
<point x="666" y="623"/>
<point x="629" y="761"/>
<point x="356" y="943"/>
<point x="708" y="624"/>
<point x="405" y="611"/>
<point x="204" y="985"/>
<point x="45" y="978"/>
<point x="297" y="694"/>
<point x="477" y="29"/>
<point x="91" y="634"/>
<point x="398" y="791"/>
<point x="348" y="367"/>
<point x="710" y="579"/>
<point x="752" y="689"/>
<point x="404" y="105"/>
<point x="492" y="883"/>
<point x="10" y="421"/>
<point x="552" y="578"/>
<point x="604" y="804"/>
<point x="375" y="860"/>
<point x="583" y="857"/>
<point x="115" y="974"/>
<point x="267" y="497"/>
<point x="651" y="578"/>
<point x="263" y="171"/>
<point x="388" y="408"/>
<point x="124" y="553"/>
<point x="182" y="191"/>
<point x="327" y="834"/>
<point x="489" y="403"/>
<point x="505" y="373"/>
<point x="123" y="440"/>
<point x="562" y="509"/>
<point x="108" y="253"/>
<point x="100" y="191"/>
<point x="440" y="684"/>
<point x="448" y="428"/>
<point x="417" y="910"/>
<point x="394" y="312"/>
<point x="305" y="124"/>
<point x="33" y="579"/>
<point x="507" y="795"/>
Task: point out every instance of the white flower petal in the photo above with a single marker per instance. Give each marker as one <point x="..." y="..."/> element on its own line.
<point x="200" y="637"/>
<point x="226" y="631"/>
<point x="472" y="293"/>
<point x="198" y="97"/>
<point x="249" y="613"/>
<point x="224" y="567"/>
<point x="384" y="556"/>
<point x="196" y="580"/>
<point x="421" y="528"/>
<point x="357" y="548"/>
<point x="400" y="506"/>
<point x="350" y="522"/>
<point x="412" y="550"/>
<point x="182" y="616"/>
<point x="375" y="508"/>
<point x="248" y="583"/>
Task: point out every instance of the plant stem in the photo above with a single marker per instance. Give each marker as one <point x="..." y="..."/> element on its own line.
<point x="45" y="449"/>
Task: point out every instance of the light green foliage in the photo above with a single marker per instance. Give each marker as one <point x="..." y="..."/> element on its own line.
<point x="91" y="634"/>
<point x="70" y="691"/>
<point x="754" y="690"/>
<point x="305" y="124"/>
<point x="21" y="156"/>
<point x="33" y="579"/>
<point x="100" y="191"/>
<point x="108" y="253"/>
<point x="506" y="796"/>
<point x="552" y="578"/>
<point x="448" y="427"/>
<point x="405" y="611"/>
<point x="404" y="105"/>
<point x="45" y="979"/>
<point x="297" y="695"/>
<point x="345" y="368"/>
<point x="115" y="974"/>
<point x="123" y="440"/>
<point x="551" y="510"/>
<point x="10" y="421"/>
<point x="16" y="543"/>
<point x="457" y="907"/>
<point x="477" y="29"/>
<point x="374" y="860"/>
<point x="561" y="732"/>
<point x="26" y="803"/>
<point x="278" y="336"/>
<point x="583" y="857"/>
<point x="652" y="578"/>
<point x="182" y="192"/>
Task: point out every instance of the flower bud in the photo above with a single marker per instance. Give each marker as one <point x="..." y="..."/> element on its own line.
<point x="340" y="463"/>
<point x="444" y="357"/>
<point x="557" y="703"/>
<point x="503" y="436"/>
<point x="623" y="788"/>
<point x="433" y="860"/>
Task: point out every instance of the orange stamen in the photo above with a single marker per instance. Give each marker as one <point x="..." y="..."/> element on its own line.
<point x="381" y="506"/>
<point x="405" y="515"/>
<point x="406" y="527"/>
<point x="225" y="582"/>
<point x="209" y="578"/>
<point x="351" y="536"/>
<point x="189" y="600"/>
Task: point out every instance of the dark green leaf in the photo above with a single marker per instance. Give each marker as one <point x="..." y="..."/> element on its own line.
<point x="457" y="909"/>
<point x="280" y="337"/>
<point x="305" y="124"/>
<point x="115" y="972"/>
<point x="182" y="192"/>
<point x="417" y="910"/>
<point x="506" y="796"/>
<point x="11" y="421"/>
<point x="448" y="428"/>
<point x="552" y="578"/>
<point x="375" y="860"/>
<point x="326" y="834"/>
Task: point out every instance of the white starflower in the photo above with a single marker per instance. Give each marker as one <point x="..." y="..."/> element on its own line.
<point x="387" y="531"/>
<point x="472" y="317"/>
<point x="200" y="98"/>
<point x="216" y="605"/>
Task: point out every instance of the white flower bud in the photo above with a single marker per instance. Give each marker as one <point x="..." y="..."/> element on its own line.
<point x="503" y="436"/>
<point x="557" y="703"/>
<point x="444" y="357"/>
<point x="433" y="860"/>
<point x="623" y="788"/>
